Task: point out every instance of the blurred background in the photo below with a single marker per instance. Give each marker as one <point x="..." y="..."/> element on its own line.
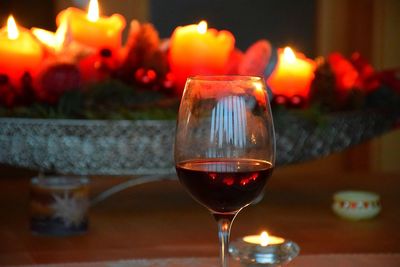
<point x="314" y="27"/>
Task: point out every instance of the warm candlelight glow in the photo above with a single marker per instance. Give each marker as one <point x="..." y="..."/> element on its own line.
<point x="288" y="55"/>
<point x="293" y="74"/>
<point x="202" y="27"/>
<point x="259" y="87"/>
<point x="197" y="50"/>
<point x="20" y="52"/>
<point x="90" y="29"/>
<point x="260" y="92"/>
<point x="263" y="239"/>
<point x="51" y="39"/>
<point x="12" y="29"/>
<point x="61" y="34"/>
<point x="46" y="37"/>
<point x="93" y="11"/>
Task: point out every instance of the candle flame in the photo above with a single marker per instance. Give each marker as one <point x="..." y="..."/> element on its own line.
<point x="93" y="11"/>
<point x="264" y="238"/>
<point x="54" y="40"/>
<point x="44" y="36"/>
<point x="60" y="34"/>
<point x="202" y="27"/>
<point x="12" y="29"/>
<point x="288" y="55"/>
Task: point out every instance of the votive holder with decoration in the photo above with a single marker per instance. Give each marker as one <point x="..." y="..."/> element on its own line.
<point x="59" y="205"/>
<point x="263" y="250"/>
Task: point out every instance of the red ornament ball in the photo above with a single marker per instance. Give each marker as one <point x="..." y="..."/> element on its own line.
<point x="145" y="76"/>
<point x="280" y="100"/>
<point x="297" y="101"/>
<point x="55" y="80"/>
<point x="169" y="81"/>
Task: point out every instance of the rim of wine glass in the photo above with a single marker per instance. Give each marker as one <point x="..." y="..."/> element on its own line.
<point x="225" y="78"/>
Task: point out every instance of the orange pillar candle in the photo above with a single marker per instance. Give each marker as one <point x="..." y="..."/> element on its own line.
<point x="91" y="29"/>
<point x="196" y="50"/>
<point x="19" y="52"/>
<point x="293" y="74"/>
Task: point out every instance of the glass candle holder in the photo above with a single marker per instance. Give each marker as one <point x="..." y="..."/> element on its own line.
<point x="249" y="251"/>
<point x="59" y="205"/>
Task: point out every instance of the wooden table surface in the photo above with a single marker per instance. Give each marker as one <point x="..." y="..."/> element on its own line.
<point x="161" y="220"/>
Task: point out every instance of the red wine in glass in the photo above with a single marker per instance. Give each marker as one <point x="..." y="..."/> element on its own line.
<point x="224" y="185"/>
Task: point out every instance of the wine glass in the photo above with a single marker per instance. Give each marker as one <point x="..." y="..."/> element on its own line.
<point x="224" y="145"/>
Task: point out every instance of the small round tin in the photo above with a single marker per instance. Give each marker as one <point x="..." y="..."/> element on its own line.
<point x="356" y="205"/>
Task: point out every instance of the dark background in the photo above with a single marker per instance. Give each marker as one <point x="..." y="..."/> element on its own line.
<point x="283" y="22"/>
<point x="29" y="13"/>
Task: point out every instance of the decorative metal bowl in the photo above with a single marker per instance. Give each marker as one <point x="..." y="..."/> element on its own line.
<point x="120" y="147"/>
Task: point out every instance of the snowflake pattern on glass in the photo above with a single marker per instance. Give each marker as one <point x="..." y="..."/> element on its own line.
<point x="59" y="205"/>
<point x="70" y="209"/>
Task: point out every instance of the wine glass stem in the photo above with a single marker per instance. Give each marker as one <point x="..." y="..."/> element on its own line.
<point x="224" y="229"/>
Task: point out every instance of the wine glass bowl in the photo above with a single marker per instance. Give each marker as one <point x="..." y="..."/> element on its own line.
<point x="224" y="185"/>
<point x="224" y="144"/>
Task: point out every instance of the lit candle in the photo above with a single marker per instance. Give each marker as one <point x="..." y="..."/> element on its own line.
<point x="263" y="250"/>
<point x="263" y="239"/>
<point x="293" y="74"/>
<point x="19" y="52"/>
<point x="197" y="50"/>
<point x="91" y="29"/>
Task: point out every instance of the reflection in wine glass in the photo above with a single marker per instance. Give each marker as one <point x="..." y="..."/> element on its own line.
<point x="228" y="126"/>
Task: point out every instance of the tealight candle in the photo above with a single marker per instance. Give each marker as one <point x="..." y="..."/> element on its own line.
<point x="264" y="239"/>
<point x="263" y="250"/>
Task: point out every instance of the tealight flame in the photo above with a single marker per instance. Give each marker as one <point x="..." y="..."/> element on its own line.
<point x="202" y="27"/>
<point x="12" y="29"/>
<point x="93" y="11"/>
<point x="288" y="55"/>
<point x="264" y="239"/>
